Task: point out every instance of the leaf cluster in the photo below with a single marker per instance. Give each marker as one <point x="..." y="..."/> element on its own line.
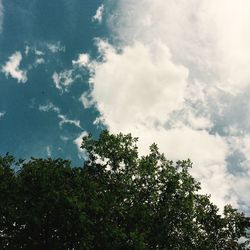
<point x="116" y="200"/>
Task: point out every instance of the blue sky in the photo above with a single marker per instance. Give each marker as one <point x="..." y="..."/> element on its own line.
<point x="171" y="72"/>
<point x="48" y="35"/>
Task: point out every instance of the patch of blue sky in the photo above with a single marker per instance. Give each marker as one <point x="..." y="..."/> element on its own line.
<point x="49" y="35"/>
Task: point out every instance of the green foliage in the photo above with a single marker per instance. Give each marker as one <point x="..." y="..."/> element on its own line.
<point x="117" y="200"/>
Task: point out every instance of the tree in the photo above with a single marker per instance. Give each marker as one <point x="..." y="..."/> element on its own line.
<point x="117" y="200"/>
<point x="48" y="213"/>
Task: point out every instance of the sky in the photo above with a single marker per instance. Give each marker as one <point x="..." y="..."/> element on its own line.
<point x="171" y="72"/>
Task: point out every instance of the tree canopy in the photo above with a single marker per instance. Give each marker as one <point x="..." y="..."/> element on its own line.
<point x="116" y="200"/>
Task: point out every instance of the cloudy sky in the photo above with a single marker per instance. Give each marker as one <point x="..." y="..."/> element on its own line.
<point x="174" y="72"/>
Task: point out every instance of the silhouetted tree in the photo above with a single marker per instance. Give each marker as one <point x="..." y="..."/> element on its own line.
<point x="117" y="200"/>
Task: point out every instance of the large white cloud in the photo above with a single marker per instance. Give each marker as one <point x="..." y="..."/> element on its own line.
<point x="207" y="152"/>
<point x="140" y="90"/>
<point x="178" y="75"/>
<point x="12" y="68"/>
<point x="141" y="85"/>
<point x="210" y="36"/>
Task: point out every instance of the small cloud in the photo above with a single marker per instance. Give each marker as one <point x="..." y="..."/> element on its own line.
<point x="64" y="138"/>
<point x="39" y="61"/>
<point x="33" y="50"/>
<point x="82" y="61"/>
<point x="63" y="80"/>
<point x="99" y="14"/>
<point x="34" y="54"/>
<point x="12" y="68"/>
<point x="99" y="121"/>
<point x="38" y="52"/>
<point x="82" y="154"/>
<point x="2" y="114"/>
<point x="65" y="120"/>
<point x="48" y="151"/>
<point x="86" y="100"/>
<point x="27" y="50"/>
<point x="56" y="47"/>
<point x="49" y="107"/>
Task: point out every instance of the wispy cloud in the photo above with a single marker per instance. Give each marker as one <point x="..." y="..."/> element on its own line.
<point x="99" y="14"/>
<point x="63" y="80"/>
<point x="49" y="107"/>
<point x="86" y="100"/>
<point x="63" y="118"/>
<point x="39" y="61"/>
<point x="48" y="150"/>
<point x="82" y="61"/>
<point x="56" y="47"/>
<point x="2" y="114"/>
<point x="11" y="68"/>
<point x="82" y="154"/>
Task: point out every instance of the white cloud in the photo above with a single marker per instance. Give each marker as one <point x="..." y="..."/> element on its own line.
<point x="241" y="184"/>
<point x="242" y="144"/>
<point x="12" y="68"/>
<point x="201" y="34"/>
<point x="207" y="152"/>
<point x="148" y="86"/>
<point x="38" y="52"/>
<point x="179" y="76"/>
<point x="56" y="47"/>
<point x="99" y="14"/>
<point x="64" y="138"/>
<point x="82" y="61"/>
<point x="138" y="90"/>
<point x="199" y="122"/>
<point x="63" y="80"/>
<point x="33" y="49"/>
<point x="78" y="142"/>
<point x="49" y="107"/>
<point x="2" y="114"/>
<point x="86" y="100"/>
<point x="48" y="151"/>
<point x="27" y="50"/>
<point x="39" y="61"/>
<point x="65" y="120"/>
